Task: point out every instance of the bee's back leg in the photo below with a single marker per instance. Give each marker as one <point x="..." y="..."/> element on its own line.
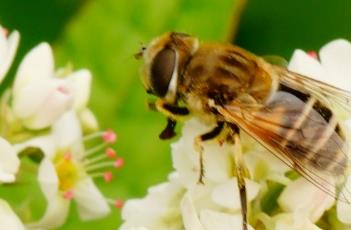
<point x="198" y="146"/>
<point x="240" y="174"/>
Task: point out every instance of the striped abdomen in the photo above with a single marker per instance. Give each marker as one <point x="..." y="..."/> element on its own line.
<point x="308" y="131"/>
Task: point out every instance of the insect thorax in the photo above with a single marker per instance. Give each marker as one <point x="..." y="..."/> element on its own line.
<point x="225" y="74"/>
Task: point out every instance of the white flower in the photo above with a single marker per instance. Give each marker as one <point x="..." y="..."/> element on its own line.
<point x="67" y="170"/>
<point x="9" y="162"/>
<point x="8" y="48"/>
<point x="182" y="202"/>
<point x="158" y="210"/>
<point x="294" y="221"/>
<point x="293" y="199"/>
<point x="39" y="96"/>
<point x="333" y="68"/>
<point x="8" y="219"/>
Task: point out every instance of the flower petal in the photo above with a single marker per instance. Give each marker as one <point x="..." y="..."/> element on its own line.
<point x="81" y="82"/>
<point x="227" y="194"/>
<point x="8" y="219"/>
<point x="67" y="130"/>
<point x="88" y="120"/>
<point x="343" y="209"/>
<point x="303" y="64"/>
<point x="218" y="220"/>
<point x="158" y="210"/>
<point x="186" y="160"/>
<point x="44" y="143"/>
<point x="9" y="162"/>
<point x="91" y="203"/>
<point x="294" y="221"/>
<point x="191" y="220"/>
<point x="31" y="98"/>
<point x="293" y="199"/>
<point x="41" y="103"/>
<point x="336" y="58"/>
<point x="55" y="215"/>
<point x="48" y="179"/>
<point x="9" y="49"/>
<point x="37" y="64"/>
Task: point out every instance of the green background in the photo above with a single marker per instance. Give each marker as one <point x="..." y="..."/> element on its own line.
<point x="103" y="35"/>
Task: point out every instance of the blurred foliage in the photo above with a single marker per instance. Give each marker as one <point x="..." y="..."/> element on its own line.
<point x="278" y="27"/>
<point x="103" y="36"/>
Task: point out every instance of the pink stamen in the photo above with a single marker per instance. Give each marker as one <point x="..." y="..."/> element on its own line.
<point x="111" y="153"/>
<point x="109" y="136"/>
<point x="313" y="54"/>
<point x="108" y="177"/>
<point x="67" y="156"/>
<point x="118" y="203"/>
<point x="68" y="195"/>
<point x="118" y="163"/>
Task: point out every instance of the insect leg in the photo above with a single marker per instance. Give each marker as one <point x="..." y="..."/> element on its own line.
<point x="240" y="174"/>
<point x="172" y="111"/>
<point x="198" y="147"/>
<point x="168" y="132"/>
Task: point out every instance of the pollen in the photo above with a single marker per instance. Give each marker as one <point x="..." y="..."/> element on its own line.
<point x="67" y="171"/>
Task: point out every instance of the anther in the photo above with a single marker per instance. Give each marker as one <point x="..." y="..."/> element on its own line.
<point x="111" y="153"/>
<point x="109" y="136"/>
<point x="67" y="156"/>
<point x="312" y="54"/>
<point x="108" y="176"/>
<point x="118" y="203"/>
<point x="68" y="195"/>
<point x="118" y="163"/>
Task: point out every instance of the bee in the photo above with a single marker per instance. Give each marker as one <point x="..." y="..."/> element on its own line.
<point x="291" y="115"/>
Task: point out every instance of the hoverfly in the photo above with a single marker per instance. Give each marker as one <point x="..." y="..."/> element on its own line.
<point x="289" y="114"/>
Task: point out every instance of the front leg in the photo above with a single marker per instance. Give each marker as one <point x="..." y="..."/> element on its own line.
<point x="198" y="146"/>
<point x="173" y="113"/>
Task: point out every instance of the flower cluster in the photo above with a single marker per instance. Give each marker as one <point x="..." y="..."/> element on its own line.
<point x="278" y="197"/>
<point x="44" y="117"/>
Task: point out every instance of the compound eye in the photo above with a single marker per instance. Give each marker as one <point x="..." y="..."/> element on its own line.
<point x="162" y="69"/>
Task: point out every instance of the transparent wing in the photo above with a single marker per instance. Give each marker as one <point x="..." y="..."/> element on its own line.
<point x="299" y="135"/>
<point x="330" y="94"/>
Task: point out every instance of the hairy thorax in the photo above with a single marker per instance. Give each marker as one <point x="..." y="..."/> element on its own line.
<point x="225" y="75"/>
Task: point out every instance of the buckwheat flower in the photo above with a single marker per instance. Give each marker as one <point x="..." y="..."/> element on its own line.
<point x="40" y="96"/>
<point x="8" y="48"/>
<point x="8" y="219"/>
<point x="293" y="199"/>
<point x="9" y="162"/>
<point x="333" y="66"/>
<point x="67" y="171"/>
<point x="184" y="203"/>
